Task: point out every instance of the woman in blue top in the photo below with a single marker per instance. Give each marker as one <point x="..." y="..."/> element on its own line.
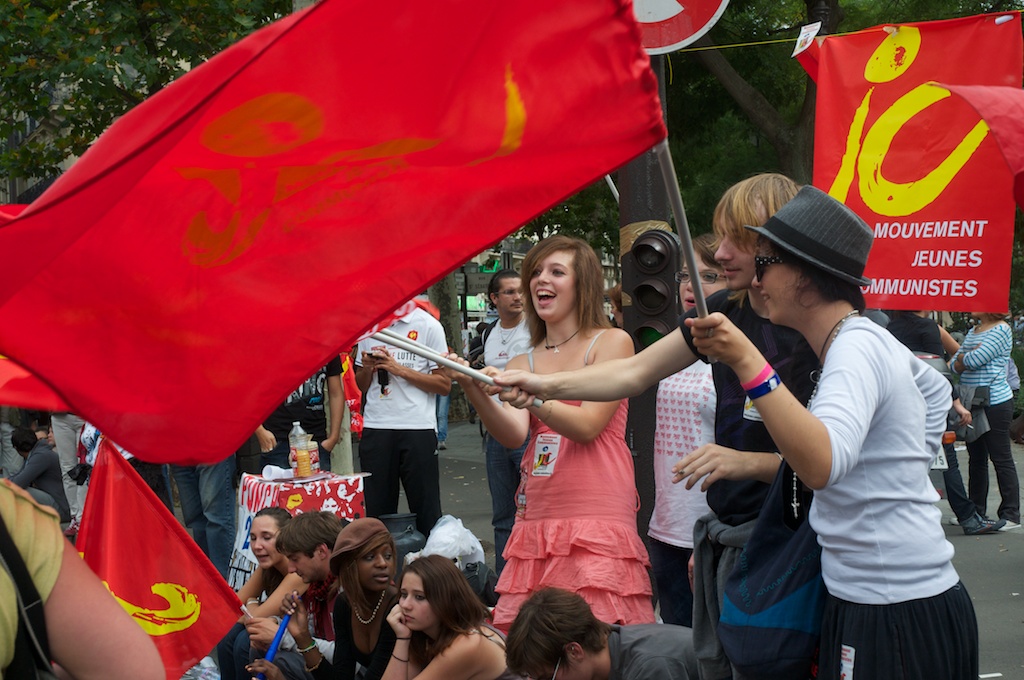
<point x="981" y="362"/>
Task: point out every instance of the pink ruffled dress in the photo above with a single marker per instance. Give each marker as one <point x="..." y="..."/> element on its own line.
<point x="576" y="528"/>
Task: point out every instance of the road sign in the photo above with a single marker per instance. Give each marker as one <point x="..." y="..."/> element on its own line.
<point x="477" y="282"/>
<point x="668" y="25"/>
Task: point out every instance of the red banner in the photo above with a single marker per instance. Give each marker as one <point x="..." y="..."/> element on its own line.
<point x="919" y="165"/>
<point x="152" y="566"/>
<point x="18" y="387"/>
<point x="228" y="236"/>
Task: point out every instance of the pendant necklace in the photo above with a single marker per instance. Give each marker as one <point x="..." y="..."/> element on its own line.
<point x="506" y="335"/>
<point x="375" y="609"/>
<point x="557" y="345"/>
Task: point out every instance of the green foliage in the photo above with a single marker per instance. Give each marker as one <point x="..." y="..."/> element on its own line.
<point x="75" y="66"/>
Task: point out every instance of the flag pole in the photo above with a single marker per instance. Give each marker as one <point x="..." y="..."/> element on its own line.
<point x="389" y="336"/>
<point x="668" y="174"/>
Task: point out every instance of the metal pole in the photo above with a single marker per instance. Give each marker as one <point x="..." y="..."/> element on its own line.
<point x="668" y="174"/>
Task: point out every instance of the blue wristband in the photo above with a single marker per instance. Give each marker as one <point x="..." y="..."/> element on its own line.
<point x="764" y="388"/>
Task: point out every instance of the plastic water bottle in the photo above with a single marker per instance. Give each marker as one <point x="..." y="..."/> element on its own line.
<point x="296" y="442"/>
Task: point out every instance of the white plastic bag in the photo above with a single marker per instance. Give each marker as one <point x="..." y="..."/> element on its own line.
<point x="453" y="540"/>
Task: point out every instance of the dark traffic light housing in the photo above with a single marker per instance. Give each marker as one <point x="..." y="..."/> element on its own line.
<point x="648" y="277"/>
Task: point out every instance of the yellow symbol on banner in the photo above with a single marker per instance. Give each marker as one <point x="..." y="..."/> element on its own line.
<point x="182" y="610"/>
<point x="280" y="122"/>
<point x="889" y="61"/>
<point x="294" y="501"/>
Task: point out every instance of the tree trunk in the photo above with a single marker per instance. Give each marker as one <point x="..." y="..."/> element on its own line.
<point x="445" y="297"/>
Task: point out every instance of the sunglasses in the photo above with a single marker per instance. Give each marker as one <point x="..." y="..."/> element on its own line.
<point x="709" y="278"/>
<point x="761" y="262"/>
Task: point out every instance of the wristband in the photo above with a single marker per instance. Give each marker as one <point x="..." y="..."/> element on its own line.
<point x="400" y="659"/>
<point x="762" y="376"/>
<point x="312" y="646"/>
<point x="764" y="388"/>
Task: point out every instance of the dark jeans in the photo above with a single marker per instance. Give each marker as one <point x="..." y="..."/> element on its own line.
<point x="669" y="565"/>
<point x="409" y="456"/>
<point x="995" y="445"/>
<point x="208" y="508"/>
<point x="503" y="481"/>
<point x="233" y="654"/>
<point x="962" y="506"/>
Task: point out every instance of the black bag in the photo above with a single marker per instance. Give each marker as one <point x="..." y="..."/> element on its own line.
<point x="770" y="624"/>
<point x="482" y="580"/>
<point x="31" y="649"/>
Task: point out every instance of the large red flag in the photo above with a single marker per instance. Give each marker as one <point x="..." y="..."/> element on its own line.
<point x="152" y="566"/>
<point x="225" y="238"/>
<point x="918" y="164"/>
<point x="18" y="387"/>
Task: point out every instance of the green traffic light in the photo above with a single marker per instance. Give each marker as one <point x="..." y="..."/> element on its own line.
<point x="648" y="336"/>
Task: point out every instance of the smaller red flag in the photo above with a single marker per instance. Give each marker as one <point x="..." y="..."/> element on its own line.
<point x="152" y="566"/>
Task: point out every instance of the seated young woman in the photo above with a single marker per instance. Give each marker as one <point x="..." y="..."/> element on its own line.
<point x="440" y="629"/>
<point x="262" y="593"/>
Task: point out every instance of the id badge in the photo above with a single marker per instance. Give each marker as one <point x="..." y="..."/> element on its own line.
<point x="750" y="411"/>
<point x="545" y="454"/>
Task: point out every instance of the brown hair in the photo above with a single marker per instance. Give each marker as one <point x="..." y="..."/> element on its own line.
<point x="456" y="606"/>
<point x="305" y="532"/>
<point x="272" y="578"/>
<point x="547" y="622"/>
<point x="589" y="284"/>
<point x="348" y="575"/>
<point x="705" y="246"/>
<point x="751" y="202"/>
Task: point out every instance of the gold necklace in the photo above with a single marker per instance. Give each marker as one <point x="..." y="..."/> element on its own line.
<point x="557" y="345"/>
<point x="375" y="609"/>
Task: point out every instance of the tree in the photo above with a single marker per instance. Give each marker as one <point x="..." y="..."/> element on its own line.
<point x="73" y="67"/>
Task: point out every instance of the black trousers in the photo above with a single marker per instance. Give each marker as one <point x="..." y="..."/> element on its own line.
<point x="934" y="638"/>
<point x="994" y="445"/>
<point x="409" y="456"/>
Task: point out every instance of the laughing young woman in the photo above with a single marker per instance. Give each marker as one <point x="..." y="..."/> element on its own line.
<point x="577" y="451"/>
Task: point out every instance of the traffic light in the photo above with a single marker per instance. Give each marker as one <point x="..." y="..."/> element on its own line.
<point x="648" y="277"/>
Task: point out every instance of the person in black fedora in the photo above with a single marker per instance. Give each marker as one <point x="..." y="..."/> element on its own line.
<point x="895" y="605"/>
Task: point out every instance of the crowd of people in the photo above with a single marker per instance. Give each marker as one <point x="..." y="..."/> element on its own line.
<point x="787" y="378"/>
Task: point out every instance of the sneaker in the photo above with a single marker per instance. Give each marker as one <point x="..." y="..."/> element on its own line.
<point x="443" y="446"/>
<point x="72" y="527"/>
<point x="978" y="525"/>
<point x="952" y="521"/>
<point x="1009" y="526"/>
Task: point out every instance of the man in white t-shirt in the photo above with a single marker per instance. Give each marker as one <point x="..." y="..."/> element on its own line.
<point x="508" y="337"/>
<point x="399" y="420"/>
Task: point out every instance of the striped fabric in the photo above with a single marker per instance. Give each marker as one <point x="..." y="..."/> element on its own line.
<point x="985" y="355"/>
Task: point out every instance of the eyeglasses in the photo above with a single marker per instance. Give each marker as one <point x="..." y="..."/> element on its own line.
<point x="761" y="263"/>
<point x="553" y="674"/>
<point x="510" y="292"/>
<point x="707" y="277"/>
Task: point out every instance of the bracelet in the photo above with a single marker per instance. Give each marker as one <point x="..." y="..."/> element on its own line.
<point x="398" y="638"/>
<point x="772" y="383"/>
<point x="310" y="669"/>
<point x="253" y="599"/>
<point x="762" y="375"/>
<point x="312" y="646"/>
<point x="400" y="659"/>
<point x="780" y="456"/>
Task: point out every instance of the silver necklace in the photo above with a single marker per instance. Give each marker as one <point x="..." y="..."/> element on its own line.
<point x="506" y="335"/>
<point x="559" y="344"/>
<point x="816" y="374"/>
<point x="375" y="609"/>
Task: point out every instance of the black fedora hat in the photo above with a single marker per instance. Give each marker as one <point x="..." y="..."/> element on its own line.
<point x="823" y="232"/>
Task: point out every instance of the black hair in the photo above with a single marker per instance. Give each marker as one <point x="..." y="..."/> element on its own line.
<point x="23" y="439"/>
<point x="829" y="286"/>
<point x="495" y="283"/>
